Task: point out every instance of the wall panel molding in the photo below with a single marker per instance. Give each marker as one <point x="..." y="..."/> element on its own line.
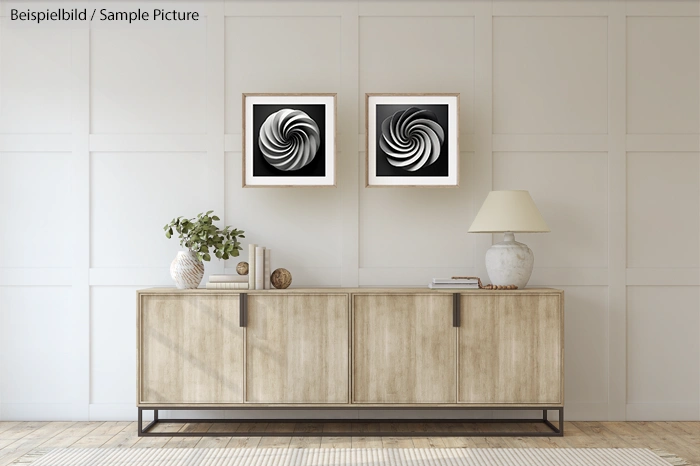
<point x="663" y="143"/>
<point x="676" y="276"/>
<point x="80" y="338"/>
<point x="10" y="276"/>
<point x="663" y="7"/>
<point x="547" y="8"/>
<point x="569" y="276"/>
<point x="211" y="146"/>
<point x="617" y="211"/>
<point x="233" y="142"/>
<point x="36" y="143"/>
<point x="149" y="142"/>
<point x="281" y="8"/>
<point x="483" y="127"/>
<point x="417" y="8"/>
<point x="550" y="142"/>
<point x="348" y="174"/>
<point x="216" y="115"/>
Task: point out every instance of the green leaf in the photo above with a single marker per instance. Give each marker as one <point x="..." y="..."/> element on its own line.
<point x="215" y="218"/>
<point x="206" y="257"/>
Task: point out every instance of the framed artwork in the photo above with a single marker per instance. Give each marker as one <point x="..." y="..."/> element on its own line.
<point x="289" y="140"/>
<point x="412" y="139"/>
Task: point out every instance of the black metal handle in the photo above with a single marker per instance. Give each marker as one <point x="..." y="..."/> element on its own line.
<point x="456" y="314"/>
<point x="243" y="309"/>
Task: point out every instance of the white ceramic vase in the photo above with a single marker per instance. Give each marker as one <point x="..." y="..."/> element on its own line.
<point x="509" y="262"/>
<point x="187" y="270"/>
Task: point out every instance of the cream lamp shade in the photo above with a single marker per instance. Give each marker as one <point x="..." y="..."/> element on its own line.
<point x="509" y="212"/>
<point x="513" y="211"/>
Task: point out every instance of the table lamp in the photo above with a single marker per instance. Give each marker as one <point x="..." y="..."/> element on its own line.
<point x="509" y="212"/>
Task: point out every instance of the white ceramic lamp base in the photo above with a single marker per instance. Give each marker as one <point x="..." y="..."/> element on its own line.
<point x="509" y="262"/>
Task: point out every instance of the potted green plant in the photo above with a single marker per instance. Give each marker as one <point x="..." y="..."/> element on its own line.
<point x="200" y="237"/>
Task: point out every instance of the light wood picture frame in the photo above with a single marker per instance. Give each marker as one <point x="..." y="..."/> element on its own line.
<point x="412" y="140"/>
<point x="289" y="139"/>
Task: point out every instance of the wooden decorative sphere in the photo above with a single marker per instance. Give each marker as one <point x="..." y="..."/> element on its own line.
<point x="281" y="279"/>
<point x="242" y="268"/>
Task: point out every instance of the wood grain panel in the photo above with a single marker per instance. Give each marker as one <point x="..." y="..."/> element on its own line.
<point x="511" y="349"/>
<point x="297" y="348"/>
<point x="191" y="349"/>
<point x="403" y="349"/>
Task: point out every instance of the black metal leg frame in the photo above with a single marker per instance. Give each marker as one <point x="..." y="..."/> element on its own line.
<point x="555" y="431"/>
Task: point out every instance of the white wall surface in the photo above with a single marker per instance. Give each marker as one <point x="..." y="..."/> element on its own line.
<point x="593" y="106"/>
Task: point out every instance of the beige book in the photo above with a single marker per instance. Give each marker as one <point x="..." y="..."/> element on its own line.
<point x="260" y="268"/>
<point x="251" y="266"/>
<point x="267" y="268"/>
<point x="227" y="286"/>
<point x="228" y="278"/>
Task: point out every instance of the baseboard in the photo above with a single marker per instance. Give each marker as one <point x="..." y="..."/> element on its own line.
<point x="40" y="412"/>
<point x="116" y="412"/>
<point x="581" y="411"/>
<point x="663" y="411"/>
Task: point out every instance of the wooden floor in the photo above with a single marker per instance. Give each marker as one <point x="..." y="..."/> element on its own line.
<point x="19" y="438"/>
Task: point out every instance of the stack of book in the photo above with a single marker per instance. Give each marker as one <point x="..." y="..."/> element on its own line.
<point x="453" y="283"/>
<point x="259" y="267"/>
<point x="228" y="282"/>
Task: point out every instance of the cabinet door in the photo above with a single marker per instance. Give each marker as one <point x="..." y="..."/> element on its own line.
<point x="404" y="349"/>
<point x="297" y="348"/>
<point x="511" y="349"/>
<point x="190" y="349"/>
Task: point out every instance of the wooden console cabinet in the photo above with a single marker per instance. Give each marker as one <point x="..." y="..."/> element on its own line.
<point x="350" y="348"/>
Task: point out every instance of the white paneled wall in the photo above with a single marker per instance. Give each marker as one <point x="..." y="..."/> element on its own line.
<point x="107" y="133"/>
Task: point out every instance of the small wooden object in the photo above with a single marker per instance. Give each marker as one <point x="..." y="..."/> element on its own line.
<point x="491" y="287"/>
<point x="500" y="287"/>
<point x="281" y="279"/>
<point x="242" y="268"/>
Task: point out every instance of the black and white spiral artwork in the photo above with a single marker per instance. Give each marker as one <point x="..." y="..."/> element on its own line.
<point x="289" y="139"/>
<point x="412" y="139"/>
